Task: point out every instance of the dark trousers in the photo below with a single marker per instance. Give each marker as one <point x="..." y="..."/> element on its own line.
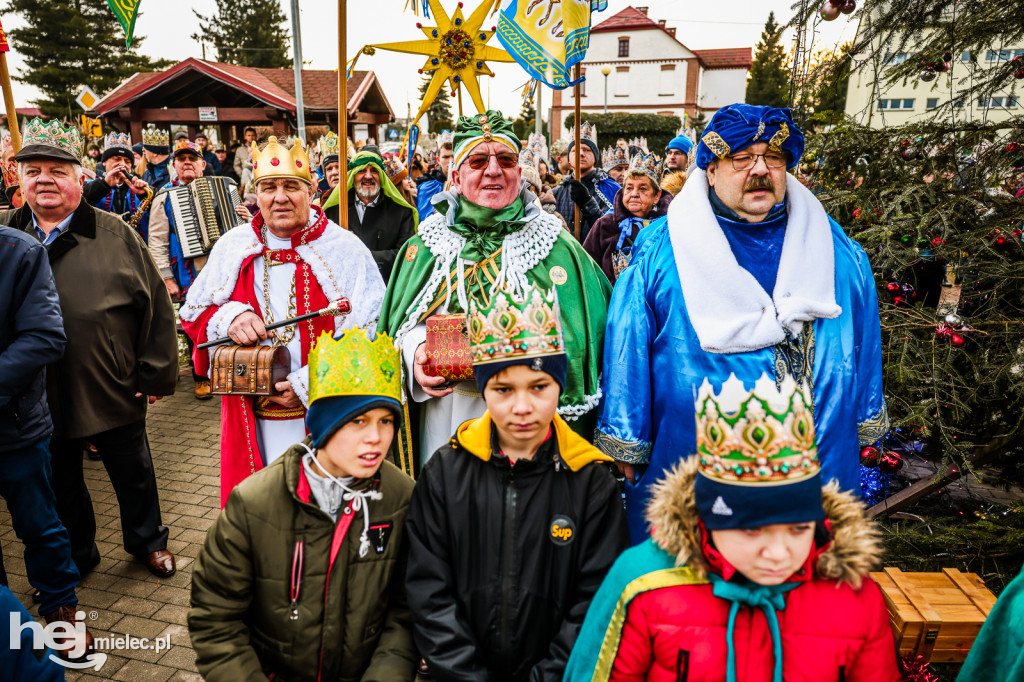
<point x="126" y="457"/>
<point x="25" y="485"/>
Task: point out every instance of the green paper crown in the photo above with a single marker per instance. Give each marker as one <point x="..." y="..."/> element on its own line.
<point x="54" y="134"/>
<point x="354" y="365"/>
<point x="509" y="329"/>
<point x="760" y="436"/>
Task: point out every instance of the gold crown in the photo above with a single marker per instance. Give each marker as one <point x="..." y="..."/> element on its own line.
<point x="761" y="436"/>
<point x="646" y="164"/>
<point x="10" y="173"/>
<point x="53" y="134"/>
<point x="588" y="131"/>
<point x="509" y="329"/>
<point x="118" y="141"/>
<point x="329" y="145"/>
<point x="354" y="365"/>
<point x="277" y="161"/>
<point x="614" y="156"/>
<point x="395" y="169"/>
<point x="154" y="137"/>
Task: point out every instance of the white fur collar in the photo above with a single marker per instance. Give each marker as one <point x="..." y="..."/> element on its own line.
<point x="340" y="262"/>
<point x="729" y="310"/>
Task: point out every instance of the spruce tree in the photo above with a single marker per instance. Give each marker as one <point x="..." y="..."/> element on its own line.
<point x="768" y="83"/>
<point x="439" y="115"/>
<point x="247" y="32"/>
<point x="938" y="204"/>
<point x="67" y="45"/>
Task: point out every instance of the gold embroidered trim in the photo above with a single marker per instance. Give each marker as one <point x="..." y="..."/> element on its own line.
<point x="779" y="138"/>
<point x="874" y="428"/>
<point x="716" y="144"/>
<point x="631" y="452"/>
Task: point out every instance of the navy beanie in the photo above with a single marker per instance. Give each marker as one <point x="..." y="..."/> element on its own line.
<point x="555" y="365"/>
<point x="326" y="415"/>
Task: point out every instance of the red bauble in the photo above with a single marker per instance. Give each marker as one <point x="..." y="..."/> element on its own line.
<point x="893" y="287"/>
<point x="829" y="11"/>
<point x="869" y="456"/>
<point x="937" y="241"/>
<point x="856" y="213"/>
<point x="1013" y="147"/>
<point x="897" y="300"/>
<point x="956" y="340"/>
<point x="848" y="7"/>
<point x="889" y="462"/>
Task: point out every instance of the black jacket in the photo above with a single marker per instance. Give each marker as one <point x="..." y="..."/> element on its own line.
<point x="31" y="337"/>
<point x="503" y="559"/>
<point x="384" y="230"/>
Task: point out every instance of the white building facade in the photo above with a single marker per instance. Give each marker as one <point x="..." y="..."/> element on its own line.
<point x="651" y="72"/>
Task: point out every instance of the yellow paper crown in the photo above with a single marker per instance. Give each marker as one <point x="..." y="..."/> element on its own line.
<point x="277" y="161"/>
<point x="354" y="365"/>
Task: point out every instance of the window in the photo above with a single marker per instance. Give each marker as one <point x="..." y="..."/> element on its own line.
<point x="583" y="85"/>
<point x="666" y="85"/>
<point x="896" y="104"/>
<point x="896" y="58"/>
<point x="622" y="81"/>
<point x="965" y="56"/>
<point x="623" y="47"/>
<point x="997" y="103"/>
<point x="1002" y="55"/>
<point x="933" y="103"/>
<point x="958" y="104"/>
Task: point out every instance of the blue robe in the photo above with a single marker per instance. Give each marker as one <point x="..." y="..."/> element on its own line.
<point x="653" y="365"/>
<point x="424" y="193"/>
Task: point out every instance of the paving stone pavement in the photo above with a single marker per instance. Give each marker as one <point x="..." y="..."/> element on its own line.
<point x="120" y="595"/>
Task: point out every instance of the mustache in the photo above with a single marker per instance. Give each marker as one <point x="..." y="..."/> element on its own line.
<point x="759" y="182"/>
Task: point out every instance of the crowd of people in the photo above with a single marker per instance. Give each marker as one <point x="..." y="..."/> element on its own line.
<point x="513" y="455"/>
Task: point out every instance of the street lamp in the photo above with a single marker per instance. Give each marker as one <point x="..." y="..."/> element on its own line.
<point x="606" y="70"/>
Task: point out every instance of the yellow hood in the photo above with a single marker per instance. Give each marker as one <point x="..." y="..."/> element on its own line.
<point x="475" y="436"/>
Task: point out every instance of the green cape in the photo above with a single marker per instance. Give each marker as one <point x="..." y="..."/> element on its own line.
<point x="583" y="294"/>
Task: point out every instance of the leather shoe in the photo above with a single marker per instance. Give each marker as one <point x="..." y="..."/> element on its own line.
<point x="422" y="671"/>
<point x="37" y="596"/>
<point x="161" y="563"/>
<point x="202" y="390"/>
<point x="66" y="614"/>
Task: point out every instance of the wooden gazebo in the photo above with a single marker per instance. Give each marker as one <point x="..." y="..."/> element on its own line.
<point x="203" y="94"/>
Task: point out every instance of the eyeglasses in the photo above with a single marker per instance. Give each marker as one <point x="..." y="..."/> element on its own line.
<point x="480" y="161"/>
<point x="742" y="162"/>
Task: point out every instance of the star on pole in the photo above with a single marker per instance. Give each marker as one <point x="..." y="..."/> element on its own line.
<point x="456" y="52"/>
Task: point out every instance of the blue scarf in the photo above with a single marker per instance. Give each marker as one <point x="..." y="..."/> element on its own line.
<point x="626" y="229"/>
<point x="768" y="598"/>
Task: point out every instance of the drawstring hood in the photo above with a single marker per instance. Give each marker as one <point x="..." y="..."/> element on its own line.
<point x="331" y="492"/>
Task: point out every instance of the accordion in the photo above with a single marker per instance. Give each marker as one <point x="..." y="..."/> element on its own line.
<point x="203" y="210"/>
<point x="447" y="349"/>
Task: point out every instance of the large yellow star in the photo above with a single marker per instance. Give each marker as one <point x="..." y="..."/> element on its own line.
<point x="456" y="52"/>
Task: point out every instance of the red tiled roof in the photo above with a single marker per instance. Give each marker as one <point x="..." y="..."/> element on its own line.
<point x="275" y="87"/>
<point x="727" y="58"/>
<point x="629" y="18"/>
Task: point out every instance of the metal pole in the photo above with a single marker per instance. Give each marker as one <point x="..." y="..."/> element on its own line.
<point x="12" y="115"/>
<point x="606" y="93"/>
<point x="576" y="148"/>
<point x="300" y="114"/>
<point x="342" y="111"/>
<point x="539" y="125"/>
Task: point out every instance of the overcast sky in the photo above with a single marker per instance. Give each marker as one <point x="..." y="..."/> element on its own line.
<point x="168" y="25"/>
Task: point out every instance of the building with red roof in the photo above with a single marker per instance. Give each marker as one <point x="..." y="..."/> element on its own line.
<point x="650" y="71"/>
<point x="203" y="94"/>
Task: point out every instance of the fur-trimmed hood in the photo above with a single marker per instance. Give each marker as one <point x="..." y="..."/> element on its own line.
<point x="672" y="516"/>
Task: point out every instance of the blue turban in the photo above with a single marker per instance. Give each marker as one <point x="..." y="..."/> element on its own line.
<point x="682" y="143"/>
<point x="738" y="126"/>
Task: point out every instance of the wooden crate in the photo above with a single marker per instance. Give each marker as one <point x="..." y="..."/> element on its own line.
<point x="935" y="615"/>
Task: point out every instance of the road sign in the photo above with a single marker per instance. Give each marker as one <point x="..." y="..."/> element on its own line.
<point x="86" y="98"/>
<point x="91" y="127"/>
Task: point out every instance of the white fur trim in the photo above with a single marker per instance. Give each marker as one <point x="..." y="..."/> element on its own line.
<point x="521" y="252"/>
<point x="217" y="327"/>
<point x="300" y="384"/>
<point x="729" y="310"/>
<point x="571" y="413"/>
<point x="342" y="265"/>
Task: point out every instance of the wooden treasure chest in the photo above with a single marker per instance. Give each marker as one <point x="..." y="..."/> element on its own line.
<point x="935" y="615"/>
<point x="248" y="370"/>
<point x="447" y="348"/>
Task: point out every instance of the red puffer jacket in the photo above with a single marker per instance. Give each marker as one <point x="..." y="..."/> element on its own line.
<point x="834" y="627"/>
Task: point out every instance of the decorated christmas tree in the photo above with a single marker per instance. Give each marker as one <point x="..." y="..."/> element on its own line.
<point x="938" y="204"/>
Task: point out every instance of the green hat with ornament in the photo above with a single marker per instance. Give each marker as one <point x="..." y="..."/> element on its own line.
<point x="489" y="126"/>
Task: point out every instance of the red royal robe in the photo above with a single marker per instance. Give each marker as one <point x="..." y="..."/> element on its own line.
<point x="239" y="450"/>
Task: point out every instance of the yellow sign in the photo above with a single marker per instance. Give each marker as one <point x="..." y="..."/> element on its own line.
<point x="91" y="127"/>
<point x="86" y="98"/>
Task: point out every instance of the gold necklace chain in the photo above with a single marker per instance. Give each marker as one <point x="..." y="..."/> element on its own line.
<point x="285" y="335"/>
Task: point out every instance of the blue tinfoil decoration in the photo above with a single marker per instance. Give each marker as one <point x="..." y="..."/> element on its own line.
<point x="874" y="485"/>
